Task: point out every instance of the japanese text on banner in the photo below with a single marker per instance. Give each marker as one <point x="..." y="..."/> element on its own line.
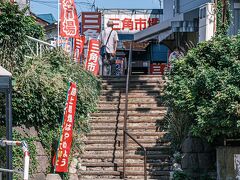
<point x="64" y="148"/>
<point x="69" y="25"/>
<point x="92" y="63"/>
<point x="78" y="48"/>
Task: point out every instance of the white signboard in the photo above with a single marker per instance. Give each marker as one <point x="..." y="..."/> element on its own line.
<point x="131" y="21"/>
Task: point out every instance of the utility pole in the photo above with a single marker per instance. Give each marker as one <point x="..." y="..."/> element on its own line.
<point x="224" y="12"/>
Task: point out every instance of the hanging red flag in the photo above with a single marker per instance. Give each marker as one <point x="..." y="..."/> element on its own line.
<point x="69" y="25"/>
<point x="78" y="48"/>
<point x="92" y="64"/>
<point x="65" y="144"/>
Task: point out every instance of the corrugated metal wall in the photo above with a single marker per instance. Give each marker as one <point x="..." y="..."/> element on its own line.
<point x="235" y="22"/>
<point x="188" y="5"/>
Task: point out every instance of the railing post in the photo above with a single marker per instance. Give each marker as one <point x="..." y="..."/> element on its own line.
<point x="9" y="129"/>
<point x="125" y="128"/>
<point x="145" y="164"/>
<point x="37" y="49"/>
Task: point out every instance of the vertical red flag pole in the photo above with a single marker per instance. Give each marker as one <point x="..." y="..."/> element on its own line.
<point x="58" y="39"/>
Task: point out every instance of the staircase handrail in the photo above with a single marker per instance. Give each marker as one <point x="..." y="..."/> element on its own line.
<point x="125" y="127"/>
<point x="25" y="150"/>
<point x="40" y="41"/>
<point x="40" y="45"/>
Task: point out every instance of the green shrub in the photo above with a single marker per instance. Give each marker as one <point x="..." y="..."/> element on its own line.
<point x="205" y="88"/>
<point x="40" y="91"/>
<point x="14" y="26"/>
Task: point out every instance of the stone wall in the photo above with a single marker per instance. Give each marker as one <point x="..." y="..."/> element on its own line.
<point x="42" y="157"/>
<point x="228" y="167"/>
<point x="198" y="157"/>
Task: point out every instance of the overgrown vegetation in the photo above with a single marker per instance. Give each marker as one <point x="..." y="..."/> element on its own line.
<point x="205" y="87"/>
<point x="14" y="26"/>
<point x="40" y="83"/>
<point x="203" y="91"/>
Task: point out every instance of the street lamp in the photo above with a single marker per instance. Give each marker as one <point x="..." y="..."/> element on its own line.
<point x="6" y="89"/>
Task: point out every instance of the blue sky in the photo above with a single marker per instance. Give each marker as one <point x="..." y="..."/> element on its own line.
<point x="50" y="6"/>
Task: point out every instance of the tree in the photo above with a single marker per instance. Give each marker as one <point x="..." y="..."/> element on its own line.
<point x="205" y="87"/>
<point x="14" y="28"/>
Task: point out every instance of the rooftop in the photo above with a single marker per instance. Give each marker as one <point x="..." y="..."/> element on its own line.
<point x="4" y="72"/>
<point x="47" y="18"/>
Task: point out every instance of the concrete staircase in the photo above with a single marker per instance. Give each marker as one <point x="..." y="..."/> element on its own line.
<point x="103" y="154"/>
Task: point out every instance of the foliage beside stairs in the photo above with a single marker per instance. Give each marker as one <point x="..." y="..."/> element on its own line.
<point x="102" y="158"/>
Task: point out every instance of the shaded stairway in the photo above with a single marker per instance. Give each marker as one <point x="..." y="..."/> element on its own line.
<point x="103" y="156"/>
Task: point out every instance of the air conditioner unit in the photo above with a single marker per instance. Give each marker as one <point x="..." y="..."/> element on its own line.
<point x="207" y="21"/>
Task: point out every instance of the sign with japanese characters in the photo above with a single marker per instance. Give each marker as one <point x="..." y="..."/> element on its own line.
<point x="91" y="24"/>
<point x="64" y="147"/>
<point x="130" y="21"/>
<point x="78" y="48"/>
<point x="92" y="64"/>
<point x="69" y="25"/>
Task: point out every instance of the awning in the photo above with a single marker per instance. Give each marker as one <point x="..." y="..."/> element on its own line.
<point x="164" y="35"/>
<point x="159" y="31"/>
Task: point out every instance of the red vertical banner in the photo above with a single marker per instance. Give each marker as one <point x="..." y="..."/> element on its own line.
<point x="78" y="48"/>
<point x="69" y="25"/>
<point x="93" y="56"/>
<point x="65" y="144"/>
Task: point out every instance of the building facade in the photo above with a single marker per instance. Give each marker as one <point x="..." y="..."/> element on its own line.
<point x="189" y="21"/>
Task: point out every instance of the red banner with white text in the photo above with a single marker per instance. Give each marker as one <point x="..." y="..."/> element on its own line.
<point x="65" y="144"/>
<point x="93" y="56"/>
<point x="69" y="25"/>
<point x="78" y="48"/>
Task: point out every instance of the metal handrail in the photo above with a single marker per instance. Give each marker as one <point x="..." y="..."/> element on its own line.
<point x="40" y="41"/>
<point x="125" y="127"/>
<point x="24" y="146"/>
<point x="40" y="46"/>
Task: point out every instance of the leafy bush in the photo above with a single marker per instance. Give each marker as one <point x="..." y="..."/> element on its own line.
<point x="205" y="88"/>
<point x="40" y="92"/>
<point x="180" y="175"/>
<point x="14" y="26"/>
<point x="40" y="84"/>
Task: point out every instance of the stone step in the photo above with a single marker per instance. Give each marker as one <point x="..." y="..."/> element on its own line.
<point x="135" y="147"/>
<point x="94" y="178"/>
<point x="105" y="105"/>
<point x="130" y="114"/>
<point x="134" y="98"/>
<point x="133" y="86"/>
<point x="159" y="121"/>
<point x="132" y="80"/>
<point x="119" y="152"/>
<point x="133" y="90"/>
<point x="138" y="77"/>
<point x="131" y="119"/>
<point x="132" y="145"/>
<point x="134" y="83"/>
<point x="119" y="156"/>
<point x="119" y="141"/>
<point x="150" y="167"/>
<point x="132" y="109"/>
<point x="118" y="173"/>
<point x="164" y="150"/>
<point x="135" y="134"/>
<point x="131" y="128"/>
<point x="118" y="138"/>
<point x="132" y="93"/>
<point x="128" y="178"/>
<point x="119" y="165"/>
